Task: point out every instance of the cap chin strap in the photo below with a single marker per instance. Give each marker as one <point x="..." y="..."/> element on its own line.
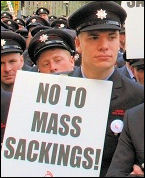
<point x="11" y="47"/>
<point x="55" y="43"/>
<point x="98" y="22"/>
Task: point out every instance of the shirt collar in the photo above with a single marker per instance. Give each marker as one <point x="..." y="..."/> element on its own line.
<point x="104" y="79"/>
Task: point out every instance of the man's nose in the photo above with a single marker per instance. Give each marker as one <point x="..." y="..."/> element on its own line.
<point x="7" y="67"/>
<point x="53" y="67"/>
<point x="103" y="44"/>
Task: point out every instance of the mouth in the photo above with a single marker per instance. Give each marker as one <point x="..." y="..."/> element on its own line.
<point x="9" y="77"/>
<point x="103" y="57"/>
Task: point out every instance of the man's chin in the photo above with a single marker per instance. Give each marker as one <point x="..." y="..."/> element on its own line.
<point x="8" y="82"/>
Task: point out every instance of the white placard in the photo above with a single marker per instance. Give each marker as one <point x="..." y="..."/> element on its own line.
<point x="56" y="126"/>
<point x="134" y="28"/>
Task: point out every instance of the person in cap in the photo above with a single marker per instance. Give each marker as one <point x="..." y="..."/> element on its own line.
<point x="43" y="13"/>
<point x="27" y="62"/>
<point x="6" y="16"/>
<point x="126" y="69"/>
<point x="137" y="68"/>
<point x="130" y="148"/>
<point x="4" y="26"/>
<point x="31" y="23"/>
<point x="12" y="47"/>
<point x="59" y="23"/>
<point x="132" y="73"/>
<point x="20" y="22"/>
<point x="12" y="24"/>
<point x="97" y="25"/>
<point x="62" y="18"/>
<point x="36" y="21"/>
<point x="23" y="32"/>
<point x="52" y="18"/>
<point x="28" y="65"/>
<point x="52" y="51"/>
<point x="36" y="29"/>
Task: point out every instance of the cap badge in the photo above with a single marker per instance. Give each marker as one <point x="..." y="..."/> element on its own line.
<point x="43" y="38"/>
<point x="5" y="14"/>
<point x="101" y="14"/>
<point x="3" y="42"/>
<point x="117" y="126"/>
<point x="62" y="25"/>
<point x="9" y="22"/>
<point x="18" y="21"/>
<point x="33" y="20"/>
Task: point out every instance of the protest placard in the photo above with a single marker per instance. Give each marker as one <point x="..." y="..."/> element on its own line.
<point x="134" y="29"/>
<point x="56" y="126"/>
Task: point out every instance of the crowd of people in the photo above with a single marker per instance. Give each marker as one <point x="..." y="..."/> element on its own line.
<point x="90" y="43"/>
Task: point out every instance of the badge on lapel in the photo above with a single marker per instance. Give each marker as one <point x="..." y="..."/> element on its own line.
<point x="116" y="126"/>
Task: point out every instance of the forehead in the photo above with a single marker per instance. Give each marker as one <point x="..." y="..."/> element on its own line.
<point x="7" y="56"/>
<point x="54" y="52"/>
<point x="43" y="14"/>
<point x="99" y="32"/>
<point x="102" y="31"/>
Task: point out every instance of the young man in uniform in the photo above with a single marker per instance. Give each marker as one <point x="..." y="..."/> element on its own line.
<point x="137" y="68"/>
<point x="52" y="51"/>
<point x="97" y="25"/>
<point x="12" y="47"/>
<point x="43" y="13"/>
<point x="6" y="16"/>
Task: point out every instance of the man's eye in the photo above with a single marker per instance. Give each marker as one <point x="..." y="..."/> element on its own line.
<point x="93" y="37"/>
<point x="112" y="37"/>
<point x="45" y="64"/>
<point x="57" y="60"/>
<point x="12" y="61"/>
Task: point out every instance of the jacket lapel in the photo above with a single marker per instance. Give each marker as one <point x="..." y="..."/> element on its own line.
<point x="117" y="84"/>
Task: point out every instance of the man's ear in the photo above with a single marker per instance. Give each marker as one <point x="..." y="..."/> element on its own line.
<point x="22" y="60"/>
<point x="78" y="46"/>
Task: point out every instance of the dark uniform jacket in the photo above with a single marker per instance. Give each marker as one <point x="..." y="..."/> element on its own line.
<point x="120" y="60"/>
<point x="5" y="103"/>
<point x="123" y="71"/>
<point x="125" y="95"/>
<point x="130" y="148"/>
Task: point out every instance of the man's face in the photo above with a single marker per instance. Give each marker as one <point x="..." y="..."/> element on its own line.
<point x="20" y="26"/>
<point x="122" y="41"/>
<point x="10" y="63"/>
<point x="99" y="49"/>
<point x="44" y="16"/>
<point x="55" y="60"/>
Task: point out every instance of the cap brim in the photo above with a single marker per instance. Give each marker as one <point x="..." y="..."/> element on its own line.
<point x="138" y="63"/>
<point x="49" y="47"/>
<point x="4" y="51"/>
<point x="100" y="27"/>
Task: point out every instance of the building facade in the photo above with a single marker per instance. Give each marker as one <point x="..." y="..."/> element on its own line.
<point x="57" y="8"/>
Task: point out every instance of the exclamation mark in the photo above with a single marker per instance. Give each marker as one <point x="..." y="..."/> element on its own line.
<point x="98" y="151"/>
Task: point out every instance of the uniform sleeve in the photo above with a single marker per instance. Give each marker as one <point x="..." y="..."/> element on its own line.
<point x="124" y="156"/>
